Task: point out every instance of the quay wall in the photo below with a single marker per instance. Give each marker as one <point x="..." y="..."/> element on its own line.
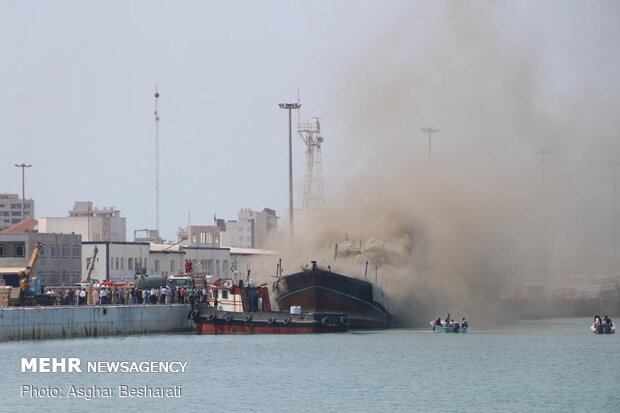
<point x="34" y="323"/>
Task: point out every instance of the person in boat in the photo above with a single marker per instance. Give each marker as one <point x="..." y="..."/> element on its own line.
<point x="438" y="321"/>
<point x="597" y="319"/>
<point x="464" y="323"/>
<point x="607" y="320"/>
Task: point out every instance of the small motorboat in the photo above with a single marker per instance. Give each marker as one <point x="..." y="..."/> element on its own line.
<point x="603" y="328"/>
<point x="442" y="326"/>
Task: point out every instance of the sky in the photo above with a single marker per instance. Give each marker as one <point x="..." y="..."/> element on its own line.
<point x="500" y="79"/>
<point x="77" y="102"/>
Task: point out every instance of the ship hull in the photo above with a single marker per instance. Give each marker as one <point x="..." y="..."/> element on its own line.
<point x="324" y="291"/>
<point x="209" y="320"/>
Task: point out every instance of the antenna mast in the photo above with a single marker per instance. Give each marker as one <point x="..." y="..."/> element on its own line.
<point x="310" y="133"/>
<point x="157" y="158"/>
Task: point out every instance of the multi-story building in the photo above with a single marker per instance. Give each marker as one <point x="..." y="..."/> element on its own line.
<point x="252" y="229"/>
<point x="59" y="262"/>
<point x="93" y="224"/>
<point x="11" y="209"/>
<point x="199" y="235"/>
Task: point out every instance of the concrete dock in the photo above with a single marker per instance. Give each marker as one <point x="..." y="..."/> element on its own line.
<point x="34" y="323"/>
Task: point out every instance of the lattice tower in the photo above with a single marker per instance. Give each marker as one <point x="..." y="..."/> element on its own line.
<point x="310" y="133"/>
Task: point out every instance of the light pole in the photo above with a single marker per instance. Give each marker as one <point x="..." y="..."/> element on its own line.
<point x="290" y="107"/>
<point x="23" y="166"/>
<point x="543" y="153"/>
<point x="430" y="132"/>
<point x="614" y="165"/>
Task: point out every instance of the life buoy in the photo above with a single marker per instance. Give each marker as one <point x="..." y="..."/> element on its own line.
<point x="325" y="321"/>
<point x="193" y="314"/>
<point x="287" y="320"/>
<point x="229" y="318"/>
<point x="247" y="318"/>
<point x="210" y="317"/>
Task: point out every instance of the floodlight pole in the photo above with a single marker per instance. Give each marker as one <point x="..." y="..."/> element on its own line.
<point x="23" y="166"/>
<point x="290" y="107"/>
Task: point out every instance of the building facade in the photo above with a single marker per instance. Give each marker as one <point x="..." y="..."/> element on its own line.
<point x="115" y="261"/>
<point x="252" y="229"/>
<point x="59" y="263"/>
<point x="11" y="209"/>
<point x="93" y="224"/>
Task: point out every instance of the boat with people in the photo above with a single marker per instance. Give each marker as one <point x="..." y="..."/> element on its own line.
<point x="323" y="290"/>
<point x="448" y="325"/>
<point x="238" y="307"/>
<point x="604" y="326"/>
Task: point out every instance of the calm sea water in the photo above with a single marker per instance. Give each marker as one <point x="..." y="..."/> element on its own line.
<point x="536" y="366"/>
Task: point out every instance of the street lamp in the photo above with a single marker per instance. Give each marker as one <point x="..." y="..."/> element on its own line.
<point x="543" y="153"/>
<point x="614" y="165"/>
<point x="290" y="107"/>
<point x="23" y="166"/>
<point x="430" y="132"/>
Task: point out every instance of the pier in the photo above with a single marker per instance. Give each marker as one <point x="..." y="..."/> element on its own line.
<point x="35" y="323"/>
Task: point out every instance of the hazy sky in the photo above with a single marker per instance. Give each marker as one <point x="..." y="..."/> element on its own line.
<point x="77" y="80"/>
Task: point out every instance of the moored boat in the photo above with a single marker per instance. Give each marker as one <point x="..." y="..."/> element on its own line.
<point x="237" y="308"/>
<point x="321" y="290"/>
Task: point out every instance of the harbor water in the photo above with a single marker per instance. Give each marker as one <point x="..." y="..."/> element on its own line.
<point x="554" y="365"/>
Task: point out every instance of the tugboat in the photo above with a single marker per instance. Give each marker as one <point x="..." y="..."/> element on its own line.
<point x="238" y="308"/>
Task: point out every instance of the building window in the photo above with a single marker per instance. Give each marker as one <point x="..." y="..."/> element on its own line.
<point x="172" y="266"/>
<point x="76" y="251"/>
<point x="54" y="251"/>
<point x="122" y="263"/>
<point x="2" y="253"/>
<point x="224" y="294"/>
<point x="16" y="213"/>
<point x="117" y="263"/>
<point x="20" y="250"/>
<point x="16" y="206"/>
<point x="156" y="265"/>
<point x="130" y="264"/>
<point x="65" y="251"/>
<point x="43" y="252"/>
<point x="111" y="263"/>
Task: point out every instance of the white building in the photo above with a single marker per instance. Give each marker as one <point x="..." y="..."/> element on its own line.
<point x="93" y="224"/>
<point x="116" y="261"/>
<point x="252" y="229"/>
<point x="199" y="235"/>
<point x="214" y="261"/>
<point x="11" y="209"/>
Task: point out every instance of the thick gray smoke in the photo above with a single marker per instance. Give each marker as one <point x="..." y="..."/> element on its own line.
<point x="447" y="234"/>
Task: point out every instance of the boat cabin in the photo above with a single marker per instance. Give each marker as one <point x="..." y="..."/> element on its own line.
<point x="225" y="295"/>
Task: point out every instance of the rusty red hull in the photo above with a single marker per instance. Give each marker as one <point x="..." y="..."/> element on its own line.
<point x="211" y="328"/>
<point x="209" y="320"/>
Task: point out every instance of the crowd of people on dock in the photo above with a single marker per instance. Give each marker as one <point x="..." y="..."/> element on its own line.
<point x="122" y="296"/>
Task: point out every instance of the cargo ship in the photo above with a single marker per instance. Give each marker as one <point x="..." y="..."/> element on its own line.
<point x="322" y="290"/>
<point x="233" y="307"/>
